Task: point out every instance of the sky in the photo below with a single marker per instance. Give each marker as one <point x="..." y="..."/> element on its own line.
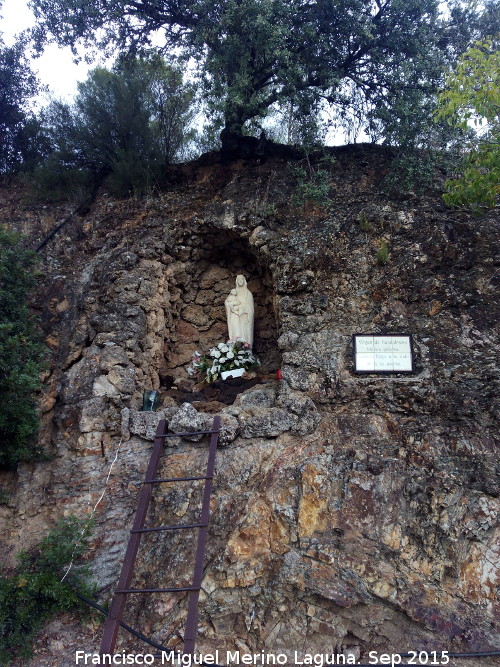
<point x="55" y="67"/>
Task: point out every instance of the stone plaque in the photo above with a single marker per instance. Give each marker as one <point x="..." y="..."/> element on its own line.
<point x="383" y="353"/>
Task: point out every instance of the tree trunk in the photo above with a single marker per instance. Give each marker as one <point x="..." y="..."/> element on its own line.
<point x="234" y="142"/>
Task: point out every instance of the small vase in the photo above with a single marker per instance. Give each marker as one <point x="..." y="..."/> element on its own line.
<point x="235" y="373"/>
<point x="150" y="400"/>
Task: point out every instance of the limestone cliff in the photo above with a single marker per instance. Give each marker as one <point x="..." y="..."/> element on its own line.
<point x="349" y="512"/>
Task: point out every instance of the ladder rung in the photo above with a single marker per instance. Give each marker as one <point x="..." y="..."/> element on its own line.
<point x="174" y="479"/>
<point x="156" y="590"/>
<point x="178" y="435"/>
<point x="180" y="526"/>
<point x="115" y="615"/>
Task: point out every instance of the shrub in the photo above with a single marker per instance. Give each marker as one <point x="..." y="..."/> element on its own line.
<point x="21" y="353"/>
<point x="364" y="223"/>
<point x="36" y="589"/>
<point x="383" y="252"/>
<point x="53" y="181"/>
<point x="312" y="182"/>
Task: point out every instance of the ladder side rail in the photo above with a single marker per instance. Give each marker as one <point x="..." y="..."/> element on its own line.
<point x="115" y="614"/>
<point x="192" y="615"/>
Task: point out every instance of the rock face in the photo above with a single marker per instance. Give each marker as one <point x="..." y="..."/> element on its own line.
<point x="350" y="513"/>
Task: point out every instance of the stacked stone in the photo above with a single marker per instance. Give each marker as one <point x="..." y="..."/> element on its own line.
<point x="374" y="526"/>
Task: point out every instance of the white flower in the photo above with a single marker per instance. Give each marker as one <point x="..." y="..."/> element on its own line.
<point x="223" y="348"/>
<point x="222" y="359"/>
<point x="230" y="355"/>
<point x="221" y="345"/>
<point x="215" y="354"/>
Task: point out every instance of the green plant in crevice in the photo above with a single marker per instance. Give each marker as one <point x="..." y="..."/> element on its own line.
<point x="383" y="252"/>
<point x="312" y="181"/>
<point x="267" y="211"/>
<point x="42" y="584"/>
<point x="364" y="224"/>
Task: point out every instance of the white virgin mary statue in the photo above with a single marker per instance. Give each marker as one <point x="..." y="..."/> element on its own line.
<point x="239" y="311"/>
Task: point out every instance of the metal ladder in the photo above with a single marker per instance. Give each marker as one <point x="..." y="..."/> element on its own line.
<point x="117" y="607"/>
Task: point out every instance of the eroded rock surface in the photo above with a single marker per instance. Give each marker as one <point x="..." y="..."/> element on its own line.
<point x="349" y="512"/>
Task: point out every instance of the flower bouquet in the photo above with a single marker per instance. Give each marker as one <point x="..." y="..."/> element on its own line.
<point x="233" y="355"/>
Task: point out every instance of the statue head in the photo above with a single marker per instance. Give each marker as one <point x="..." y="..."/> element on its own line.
<point x="241" y="280"/>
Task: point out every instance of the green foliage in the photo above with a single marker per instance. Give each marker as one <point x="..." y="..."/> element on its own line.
<point x="266" y="210"/>
<point x="254" y="54"/>
<point x="479" y="182"/>
<point x="125" y="126"/>
<point x="312" y="181"/>
<point x="129" y="176"/>
<point x="424" y="147"/>
<point x="38" y="588"/>
<point x="416" y="169"/>
<point x="21" y="353"/>
<point x="31" y="145"/>
<point x="295" y="124"/>
<point x="383" y="252"/>
<point x="55" y="181"/>
<point x="472" y="90"/>
<point x="472" y="97"/>
<point x="17" y="85"/>
<point x="311" y="186"/>
<point x="364" y="224"/>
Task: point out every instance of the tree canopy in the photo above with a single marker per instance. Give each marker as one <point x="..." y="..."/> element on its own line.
<point x="18" y="85"/>
<point x="472" y="97"/>
<point x="124" y="126"/>
<point x="252" y="54"/>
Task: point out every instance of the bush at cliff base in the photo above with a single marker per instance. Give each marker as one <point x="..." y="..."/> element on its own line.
<point x="21" y="352"/>
<point x="42" y="584"/>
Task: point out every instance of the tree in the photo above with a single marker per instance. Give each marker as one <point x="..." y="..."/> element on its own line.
<point x="252" y="54"/>
<point x="17" y="85"/>
<point x="125" y="125"/>
<point x="472" y="97"/>
<point x="289" y="124"/>
<point x="21" y="353"/>
<point x="172" y="108"/>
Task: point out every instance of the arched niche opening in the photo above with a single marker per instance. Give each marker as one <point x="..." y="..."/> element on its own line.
<point x="199" y="281"/>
